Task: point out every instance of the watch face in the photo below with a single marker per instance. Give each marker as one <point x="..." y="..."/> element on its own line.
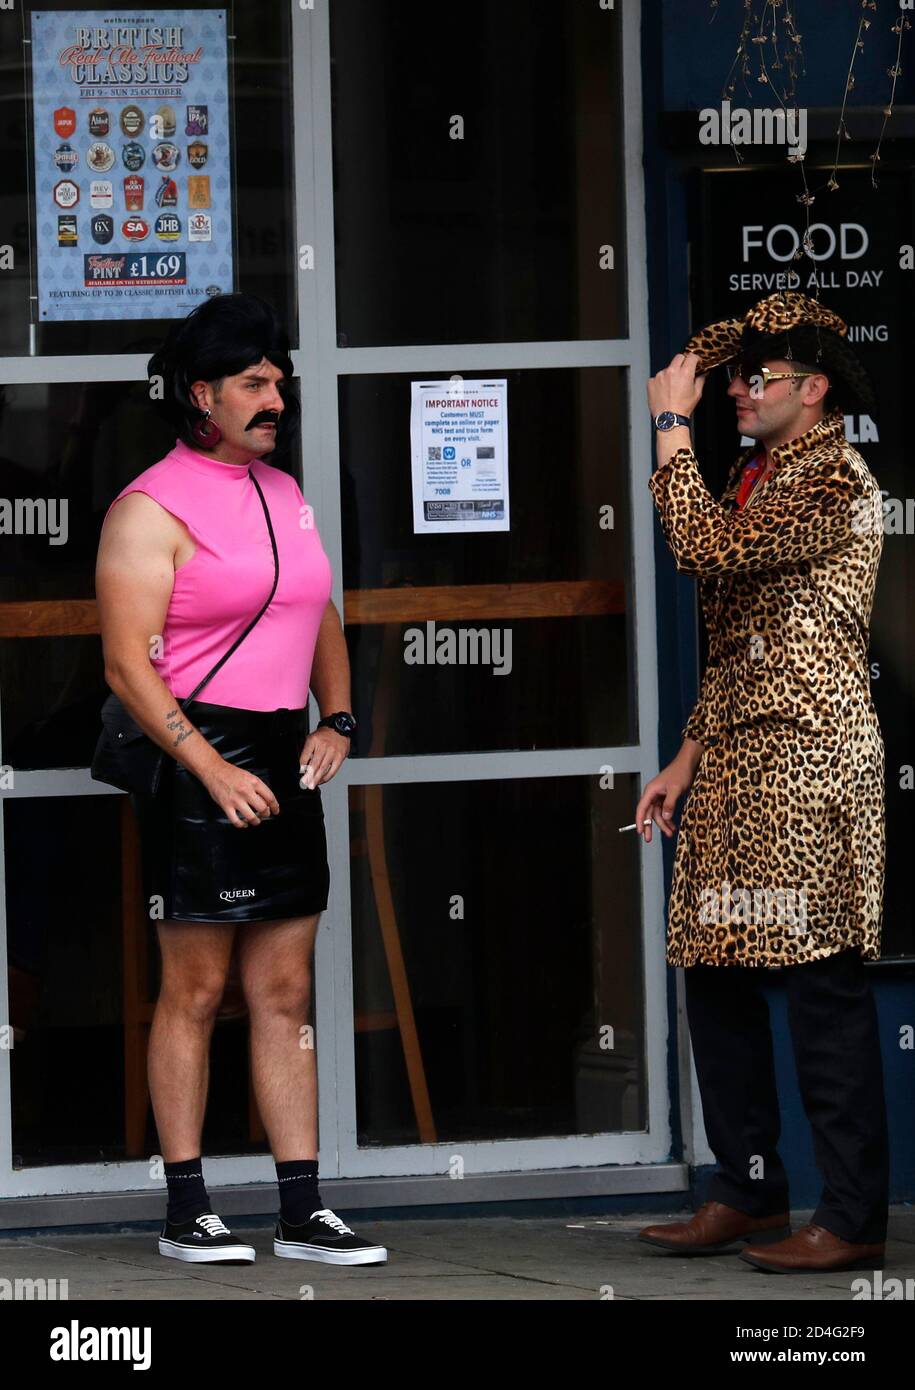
<point x="666" y="420"/>
<point x="345" y="723"/>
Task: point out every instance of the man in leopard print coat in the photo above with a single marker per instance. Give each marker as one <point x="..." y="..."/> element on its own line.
<point x="780" y="850"/>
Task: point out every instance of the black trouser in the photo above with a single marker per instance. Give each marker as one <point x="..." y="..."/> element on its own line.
<point x="833" y="1023"/>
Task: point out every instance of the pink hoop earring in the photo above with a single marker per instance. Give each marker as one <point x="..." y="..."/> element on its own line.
<point x="206" y="431"/>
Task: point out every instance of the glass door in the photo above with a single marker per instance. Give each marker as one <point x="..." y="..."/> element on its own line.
<point x="498" y="1003"/>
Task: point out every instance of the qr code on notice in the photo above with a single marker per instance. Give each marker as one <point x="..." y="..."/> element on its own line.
<point x="434" y="453"/>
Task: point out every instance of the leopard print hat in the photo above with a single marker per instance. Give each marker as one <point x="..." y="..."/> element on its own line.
<point x="789" y="325"/>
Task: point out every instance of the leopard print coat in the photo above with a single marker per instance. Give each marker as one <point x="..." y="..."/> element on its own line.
<point x="780" y="848"/>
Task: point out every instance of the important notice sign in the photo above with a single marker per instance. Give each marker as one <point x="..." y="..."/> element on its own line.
<point x="459" y="446"/>
<point x="133" y="189"/>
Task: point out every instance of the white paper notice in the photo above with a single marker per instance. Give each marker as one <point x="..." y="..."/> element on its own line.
<point x="459" y="447"/>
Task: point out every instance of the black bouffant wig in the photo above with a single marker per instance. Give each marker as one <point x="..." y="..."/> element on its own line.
<point x="222" y="337"/>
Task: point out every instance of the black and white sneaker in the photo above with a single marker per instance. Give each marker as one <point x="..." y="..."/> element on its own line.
<point x="325" y="1237"/>
<point x="204" y="1239"/>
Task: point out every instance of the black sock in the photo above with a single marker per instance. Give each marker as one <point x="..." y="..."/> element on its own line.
<point x="299" y="1195"/>
<point x="187" y="1195"/>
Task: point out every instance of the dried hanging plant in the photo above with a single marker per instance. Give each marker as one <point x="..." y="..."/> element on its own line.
<point x="894" y="72"/>
<point x="766" y="22"/>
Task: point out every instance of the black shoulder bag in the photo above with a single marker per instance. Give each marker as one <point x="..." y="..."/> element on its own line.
<point x="125" y="756"/>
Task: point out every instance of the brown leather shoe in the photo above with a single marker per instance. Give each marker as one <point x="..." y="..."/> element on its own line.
<point x="813" y="1248"/>
<point x="716" y="1227"/>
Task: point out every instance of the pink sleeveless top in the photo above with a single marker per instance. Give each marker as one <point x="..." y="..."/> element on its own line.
<point x="229" y="577"/>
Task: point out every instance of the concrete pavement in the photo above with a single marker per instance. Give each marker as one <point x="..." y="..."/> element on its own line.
<point x="445" y="1258"/>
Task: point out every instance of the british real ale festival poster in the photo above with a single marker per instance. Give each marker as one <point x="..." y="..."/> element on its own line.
<point x="132" y="162"/>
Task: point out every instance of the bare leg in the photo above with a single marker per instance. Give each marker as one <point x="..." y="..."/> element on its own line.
<point x="275" y="967"/>
<point x="195" y="962"/>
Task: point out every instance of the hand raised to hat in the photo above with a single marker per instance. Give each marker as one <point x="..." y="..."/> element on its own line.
<point x="676" y="387"/>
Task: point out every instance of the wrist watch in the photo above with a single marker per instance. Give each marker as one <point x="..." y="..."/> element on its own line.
<point x="342" y="723"/>
<point x="667" y="420"/>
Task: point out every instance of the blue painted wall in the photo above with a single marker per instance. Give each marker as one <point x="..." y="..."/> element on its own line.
<point x="697" y="54"/>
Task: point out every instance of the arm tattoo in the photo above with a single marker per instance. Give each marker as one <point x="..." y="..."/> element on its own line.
<point x="175" y="721"/>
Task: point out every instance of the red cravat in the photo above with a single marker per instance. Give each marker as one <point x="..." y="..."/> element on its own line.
<point x="751" y="471"/>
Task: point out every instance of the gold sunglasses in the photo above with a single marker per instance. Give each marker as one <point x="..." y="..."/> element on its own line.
<point x="750" y="375"/>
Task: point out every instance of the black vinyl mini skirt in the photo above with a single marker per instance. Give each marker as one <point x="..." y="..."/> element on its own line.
<point x="205" y="869"/>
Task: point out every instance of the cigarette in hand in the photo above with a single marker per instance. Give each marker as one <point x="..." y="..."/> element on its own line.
<point x="633" y="826"/>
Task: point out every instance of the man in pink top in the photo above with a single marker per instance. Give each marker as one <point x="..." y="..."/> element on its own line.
<point x="233" y="843"/>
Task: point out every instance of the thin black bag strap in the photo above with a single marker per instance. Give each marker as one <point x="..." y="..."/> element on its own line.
<point x="255" y="620"/>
